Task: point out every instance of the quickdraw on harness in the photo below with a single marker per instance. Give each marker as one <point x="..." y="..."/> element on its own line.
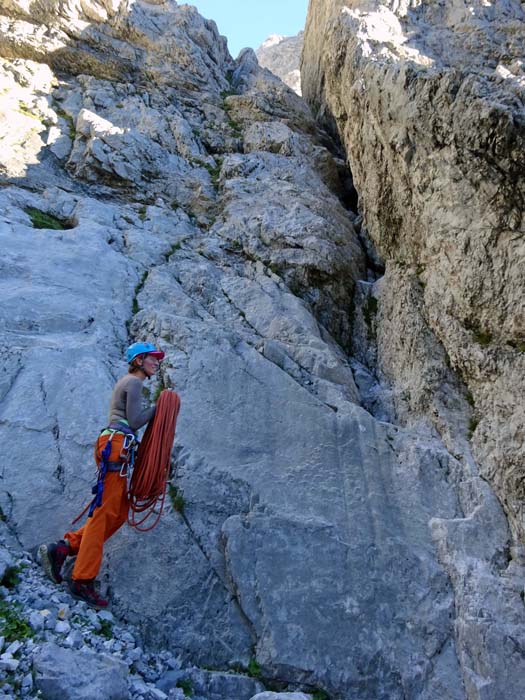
<point x="124" y="465"/>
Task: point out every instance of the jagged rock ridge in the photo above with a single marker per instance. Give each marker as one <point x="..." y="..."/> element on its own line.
<point x="200" y="209"/>
<point x="282" y="55"/>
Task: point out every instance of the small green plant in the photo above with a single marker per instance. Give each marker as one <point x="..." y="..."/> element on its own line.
<point x="41" y="219"/>
<point x="135" y="305"/>
<point x="175" y="205"/>
<point x="369" y="311"/>
<point x="13" y="683"/>
<point x="207" y="225"/>
<point x="254" y="670"/>
<point x="142" y="212"/>
<point x="233" y="246"/>
<point x="24" y="109"/>
<point x="12" y="624"/>
<point x="483" y="338"/>
<point x="214" y="170"/>
<point x="11" y="577"/>
<point x="518" y="345"/>
<point x="319" y="695"/>
<point x="158" y="391"/>
<point x="106" y="629"/>
<point x="174" y="248"/>
<point x="472" y="425"/>
<point x="235" y="127"/>
<point x="176" y="498"/>
<point x="70" y="123"/>
<point x="186" y="686"/>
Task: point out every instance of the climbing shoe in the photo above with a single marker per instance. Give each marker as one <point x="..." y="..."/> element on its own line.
<point x="53" y="557"/>
<point x="85" y="590"/>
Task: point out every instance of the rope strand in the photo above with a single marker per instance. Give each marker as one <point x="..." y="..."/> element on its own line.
<point x="150" y="476"/>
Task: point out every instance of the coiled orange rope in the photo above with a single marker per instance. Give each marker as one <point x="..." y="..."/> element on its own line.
<point x="147" y="490"/>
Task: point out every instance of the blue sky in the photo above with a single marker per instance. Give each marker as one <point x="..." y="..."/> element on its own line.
<point x="250" y="22"/>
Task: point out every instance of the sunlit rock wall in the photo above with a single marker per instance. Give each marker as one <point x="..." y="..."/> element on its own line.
<point x="428" y="100"/>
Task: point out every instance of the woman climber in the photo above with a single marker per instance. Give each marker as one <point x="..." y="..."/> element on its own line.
<point x="114" y="453"/>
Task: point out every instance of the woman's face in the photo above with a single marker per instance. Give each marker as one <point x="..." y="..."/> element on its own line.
<point x="150" y="365"/>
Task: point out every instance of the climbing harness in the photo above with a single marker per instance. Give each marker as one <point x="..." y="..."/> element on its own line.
<point x="124" y="465"/>
<point x="120" y="443"/>
<point x="147" y="491"/>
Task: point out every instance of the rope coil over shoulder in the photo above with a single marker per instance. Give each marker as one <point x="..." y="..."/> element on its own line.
<point x="147" y="489"/>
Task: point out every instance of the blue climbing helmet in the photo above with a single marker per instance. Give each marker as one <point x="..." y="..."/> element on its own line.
<point x="142" y="349"/>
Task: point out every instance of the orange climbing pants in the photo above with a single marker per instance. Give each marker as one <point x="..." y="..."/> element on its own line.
<point x="87" y="543"/>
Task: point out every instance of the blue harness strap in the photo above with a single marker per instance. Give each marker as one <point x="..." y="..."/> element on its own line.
<point x="98" y="490"/>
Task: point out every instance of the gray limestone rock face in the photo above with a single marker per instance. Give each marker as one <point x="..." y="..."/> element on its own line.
<point x="155" y="189"/>
<point x="212" y="685"/>
<point x="167" y="586"/>
<point x="59" y="333"/>
<point x="428" y="100"/>
<point x="78" y="675"/>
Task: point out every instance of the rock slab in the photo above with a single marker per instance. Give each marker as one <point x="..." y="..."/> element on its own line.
<point x="79" y="675"/>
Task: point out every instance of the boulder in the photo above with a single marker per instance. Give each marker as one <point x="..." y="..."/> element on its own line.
<point x="79" y="675"/>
